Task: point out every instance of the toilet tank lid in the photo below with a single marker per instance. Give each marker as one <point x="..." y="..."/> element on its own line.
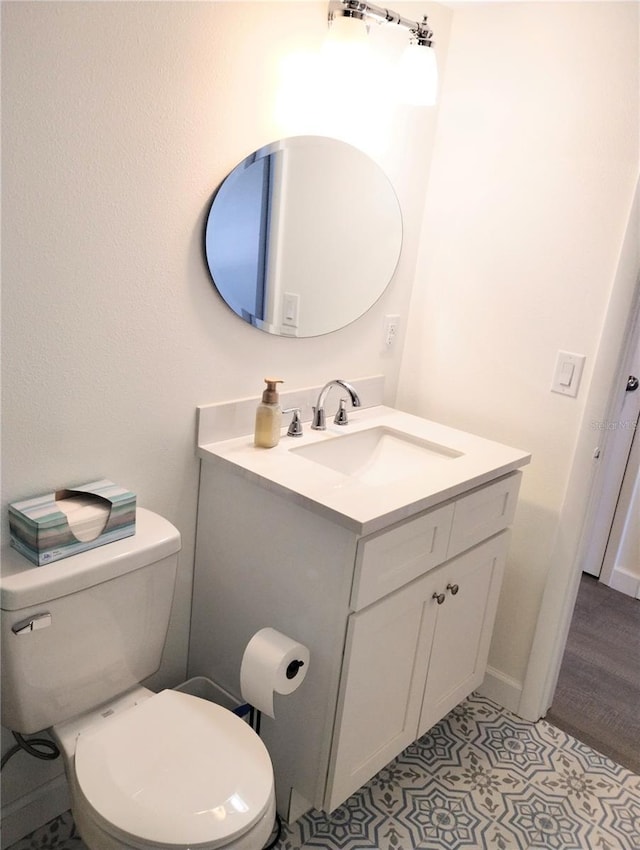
<point x="22" y="584"/>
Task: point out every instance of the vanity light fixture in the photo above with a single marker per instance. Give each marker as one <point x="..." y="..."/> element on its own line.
<point x="418" y="71"/>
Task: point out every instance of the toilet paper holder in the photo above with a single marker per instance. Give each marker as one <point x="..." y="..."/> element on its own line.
<point x="293" y="668"/>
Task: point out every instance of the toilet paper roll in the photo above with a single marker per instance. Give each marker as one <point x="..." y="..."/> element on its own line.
<point x="272" y="663"/>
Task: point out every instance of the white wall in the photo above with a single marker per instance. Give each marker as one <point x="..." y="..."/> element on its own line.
<point x="119" y="121"/>
<point x="532" y="180"/>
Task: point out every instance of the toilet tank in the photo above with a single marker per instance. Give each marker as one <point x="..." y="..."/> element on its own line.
<point x="79" y="631"/>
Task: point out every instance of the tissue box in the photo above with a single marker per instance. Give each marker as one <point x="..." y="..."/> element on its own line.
<point x="56" y="525"/>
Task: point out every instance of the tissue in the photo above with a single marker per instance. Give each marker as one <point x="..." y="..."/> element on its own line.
<point x="55" y="525"/>
<point x="86" y="516"/>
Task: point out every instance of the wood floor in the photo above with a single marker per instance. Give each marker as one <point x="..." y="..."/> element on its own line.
<point x="597" y="699"/>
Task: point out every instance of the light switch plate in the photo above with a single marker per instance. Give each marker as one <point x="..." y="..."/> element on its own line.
<point x="290" y="309"/>
<point x="568" y="372"/>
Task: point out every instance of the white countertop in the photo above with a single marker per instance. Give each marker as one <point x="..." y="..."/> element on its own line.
<point x="363" y="507"/>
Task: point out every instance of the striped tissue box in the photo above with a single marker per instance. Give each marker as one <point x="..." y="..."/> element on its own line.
<point x="55" y="525"/>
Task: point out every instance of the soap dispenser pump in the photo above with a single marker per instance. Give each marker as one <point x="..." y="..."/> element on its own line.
<point x="269" y="416"/>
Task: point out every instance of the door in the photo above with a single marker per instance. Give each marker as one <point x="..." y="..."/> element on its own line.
<point x="617" y="438"/>
<point x="382" y="683"/>
<point x="465" y="596"/>
<point x="409" y="658"/>
<point x="621" y="564"/>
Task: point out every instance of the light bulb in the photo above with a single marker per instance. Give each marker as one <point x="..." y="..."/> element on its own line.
<point x="343" y="28"/>
<point x="346" y="50"/>
<point x="418" y="76"/>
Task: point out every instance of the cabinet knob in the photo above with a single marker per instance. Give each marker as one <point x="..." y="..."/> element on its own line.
<point x="453" y="588"/>
<point x="439" y="597"/>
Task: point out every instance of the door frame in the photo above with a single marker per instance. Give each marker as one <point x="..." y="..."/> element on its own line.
<point x="616" y="450"/>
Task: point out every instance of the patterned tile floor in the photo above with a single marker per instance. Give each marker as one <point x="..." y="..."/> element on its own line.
<point x="482" y="779"/>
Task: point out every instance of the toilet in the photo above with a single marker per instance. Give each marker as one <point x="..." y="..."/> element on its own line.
<point x="145" y="770"/>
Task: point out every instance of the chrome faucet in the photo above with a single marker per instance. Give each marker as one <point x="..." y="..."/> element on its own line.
<point x="318" y="423"/>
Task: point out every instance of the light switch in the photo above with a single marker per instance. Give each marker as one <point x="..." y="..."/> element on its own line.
<point x="566" y="378"/>
<point x="290" y="309"/>
<point x="566" y="373"/>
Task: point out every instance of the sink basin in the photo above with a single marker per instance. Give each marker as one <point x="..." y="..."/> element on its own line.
<point x="378" y="455"/>
<point x="383" y="467"/>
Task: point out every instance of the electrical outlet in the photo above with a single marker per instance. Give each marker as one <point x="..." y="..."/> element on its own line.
<point x="391" y="325"/>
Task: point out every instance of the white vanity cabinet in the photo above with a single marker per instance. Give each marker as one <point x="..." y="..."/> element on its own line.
<point x="409" y="659"/>
<point x="398" y="622"/>
<point x="412" y="655"/>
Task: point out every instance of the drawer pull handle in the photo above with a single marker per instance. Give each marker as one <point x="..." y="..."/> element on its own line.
<point x="439" y="597"/>
<point x="453" y="588"/>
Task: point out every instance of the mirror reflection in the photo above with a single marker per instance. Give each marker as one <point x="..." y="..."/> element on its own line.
<point x="303" y="236"/>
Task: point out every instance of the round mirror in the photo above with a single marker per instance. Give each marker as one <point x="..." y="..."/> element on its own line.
<point x="303" y="236"/>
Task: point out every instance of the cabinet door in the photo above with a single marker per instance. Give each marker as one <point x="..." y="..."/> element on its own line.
<point x="383" y="679"/>
<point x="464" y="623"/>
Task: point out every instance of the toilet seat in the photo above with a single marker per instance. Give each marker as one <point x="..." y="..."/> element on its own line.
<point x="175" y="770"/>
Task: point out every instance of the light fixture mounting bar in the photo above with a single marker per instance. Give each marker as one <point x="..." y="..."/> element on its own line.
<point x="362" y="10"/>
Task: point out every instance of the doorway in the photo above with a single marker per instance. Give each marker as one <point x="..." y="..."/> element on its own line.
<point x="598" y="691"/>
<point x="621" y="563"/>
<point x="591" y="483"/>
<point x="613" y="554"/>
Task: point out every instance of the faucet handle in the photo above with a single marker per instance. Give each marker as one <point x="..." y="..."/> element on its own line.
<point x="318" y="421"/>
<point x="341" y="417"/>
<point x="295" y="428"/>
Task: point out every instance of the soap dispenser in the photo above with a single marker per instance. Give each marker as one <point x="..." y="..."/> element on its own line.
<point x="268" y="416"/>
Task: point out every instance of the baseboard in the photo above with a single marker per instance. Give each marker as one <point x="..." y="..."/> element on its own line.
<point x="298" y="806"/>
<point x="33" y="810"/>
<point x="625" y="581"/>
<point x="501" y="689"/>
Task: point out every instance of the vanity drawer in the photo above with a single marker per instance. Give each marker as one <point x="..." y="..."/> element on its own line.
<point x="391" y="559"/>
<point x="483" y="513"/>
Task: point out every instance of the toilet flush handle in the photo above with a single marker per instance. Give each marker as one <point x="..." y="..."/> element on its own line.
<point x="32" y="623"/>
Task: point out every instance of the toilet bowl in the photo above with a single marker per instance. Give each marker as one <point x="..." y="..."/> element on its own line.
<point x="146" y="771"/>
<point x="168" y="770"/>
